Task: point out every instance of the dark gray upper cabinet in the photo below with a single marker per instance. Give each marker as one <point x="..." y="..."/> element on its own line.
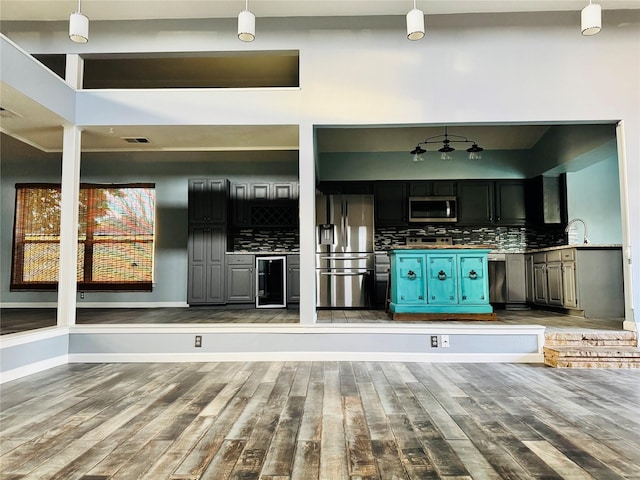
<point x="475" y="202"/>
<point x="284" y="191"/>
<point x="208" y="200"/>
<point x="510" y="202"/>
<point x="391" y="203"/>
<point x="431" y="188"/>
<point x="489" y="202"/>
<point x="547" y="200"/>
<point x="273" y="191"/>
<point x="240" y="204"/>
<point x="264" y="204"/>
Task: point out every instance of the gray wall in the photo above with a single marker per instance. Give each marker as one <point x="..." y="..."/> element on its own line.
<point x="169" y="171"/>
<point x="480" y="68"/>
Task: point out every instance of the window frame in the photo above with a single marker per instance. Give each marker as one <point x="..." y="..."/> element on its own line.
<point x="84" y="246"/>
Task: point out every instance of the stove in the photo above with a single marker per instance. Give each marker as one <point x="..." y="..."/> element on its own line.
<point x="428" y="240"/>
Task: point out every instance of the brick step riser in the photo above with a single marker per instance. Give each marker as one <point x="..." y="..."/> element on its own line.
<point x="590" y="343"/>
<point x="579" y="364"/>
<point x="623" y="357"/>
<point x="625" y="352"/>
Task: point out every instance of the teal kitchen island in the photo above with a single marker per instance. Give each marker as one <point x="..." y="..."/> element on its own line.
<point x="440" y="283"/>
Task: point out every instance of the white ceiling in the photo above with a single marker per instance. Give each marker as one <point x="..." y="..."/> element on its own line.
<point x="39" y="127"/>
<point x="47" y="10"/>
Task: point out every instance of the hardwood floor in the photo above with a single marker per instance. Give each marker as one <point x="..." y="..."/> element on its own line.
<point x="14" y="320"/>
<point x="320" y="420"/>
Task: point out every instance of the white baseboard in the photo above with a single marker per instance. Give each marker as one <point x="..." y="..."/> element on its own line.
<point x="306" y="357"/>
<point x="28" y="304"/>
<point x="630" y="325"/>
<point x="32" y="368"/>
<point x="83" y="304"/>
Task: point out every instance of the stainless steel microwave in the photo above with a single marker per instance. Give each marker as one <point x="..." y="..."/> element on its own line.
<point x="433" y="209"/>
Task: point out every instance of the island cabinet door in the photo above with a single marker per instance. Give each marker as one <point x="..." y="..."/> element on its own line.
<point x="442" y="288"/>
<point x="410" y="275"/>
<point x="474" y="284"/>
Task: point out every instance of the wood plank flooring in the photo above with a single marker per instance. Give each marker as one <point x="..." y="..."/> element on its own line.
<point x="320" y="421"/>
<point x="14" y="320"/>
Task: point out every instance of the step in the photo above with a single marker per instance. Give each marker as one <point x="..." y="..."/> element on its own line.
<point x="592" y="338"/>
<point x="592" y="356"/>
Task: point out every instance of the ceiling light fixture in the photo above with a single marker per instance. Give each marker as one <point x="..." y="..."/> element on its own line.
<point x="246" y="24"/>
<point x="78" y="27"/>
<point x="415" y="23"/>
<point x="446" y="149"/>
<point x="591" y="19"/>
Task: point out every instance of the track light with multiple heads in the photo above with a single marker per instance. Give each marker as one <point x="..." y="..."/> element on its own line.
<point x="78" y="27"/>
<point x="246" y="24"/>
<point x="591" y="19"/>
<point x="445" y="151"/>
<point x="415" y="23"/>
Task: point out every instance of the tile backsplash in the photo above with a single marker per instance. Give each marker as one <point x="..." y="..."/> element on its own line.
<point x="505" y="239"/>
<point x="264" y="240"/>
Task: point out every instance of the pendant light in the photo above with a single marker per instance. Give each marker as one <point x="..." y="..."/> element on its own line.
<point x="415" y="23"/>
<point x="591" y="19"/>
<point x="246" y="24"/>
<point x="446" y="150"/>
<point x="78" y="27"/>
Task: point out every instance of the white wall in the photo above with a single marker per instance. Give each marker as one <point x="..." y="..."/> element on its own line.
<point x="486" y="68"/>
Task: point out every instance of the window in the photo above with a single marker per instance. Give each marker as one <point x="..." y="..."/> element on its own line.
<point x="115" y="237"/>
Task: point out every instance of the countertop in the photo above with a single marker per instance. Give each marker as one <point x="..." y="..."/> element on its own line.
<point x="444" y="247"/>
<point x="496" y="251"/>
<point x="270" y="252"/>
<point x="580" y="246"/>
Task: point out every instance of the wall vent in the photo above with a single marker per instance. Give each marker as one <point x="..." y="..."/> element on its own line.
<point x="136" y="139"/>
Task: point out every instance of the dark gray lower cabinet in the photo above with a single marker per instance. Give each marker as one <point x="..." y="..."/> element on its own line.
<point x="207" y="244"/>
<point x="240" y="279"/>
<point x="293" y="278"/>
<point x="516" y="278"/>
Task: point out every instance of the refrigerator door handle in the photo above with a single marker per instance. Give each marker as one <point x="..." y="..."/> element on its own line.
<point x="343" y="274"/>
<point x="346" y="230"/>
<point x="344" y="223"/>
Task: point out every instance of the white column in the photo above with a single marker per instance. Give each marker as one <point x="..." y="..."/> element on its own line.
<point x="74" y="70"/>
<point x="67" y="282"/>
<point x="307" y="179"/>
<point x="630" y="323"/>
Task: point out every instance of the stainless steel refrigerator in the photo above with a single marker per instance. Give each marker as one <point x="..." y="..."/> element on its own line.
<point x="344" y="251"/>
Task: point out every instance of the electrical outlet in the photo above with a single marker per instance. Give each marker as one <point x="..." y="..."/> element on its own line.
<point x="444" y="341"/>
<point x="81" y="295"/>
<point x="198" y="341"/>
<point x="434" y="341"/>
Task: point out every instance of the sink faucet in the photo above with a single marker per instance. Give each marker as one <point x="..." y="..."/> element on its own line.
<point x="571" y="222"/>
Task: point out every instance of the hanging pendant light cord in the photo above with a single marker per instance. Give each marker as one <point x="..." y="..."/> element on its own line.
<point x="79" y="5"/>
